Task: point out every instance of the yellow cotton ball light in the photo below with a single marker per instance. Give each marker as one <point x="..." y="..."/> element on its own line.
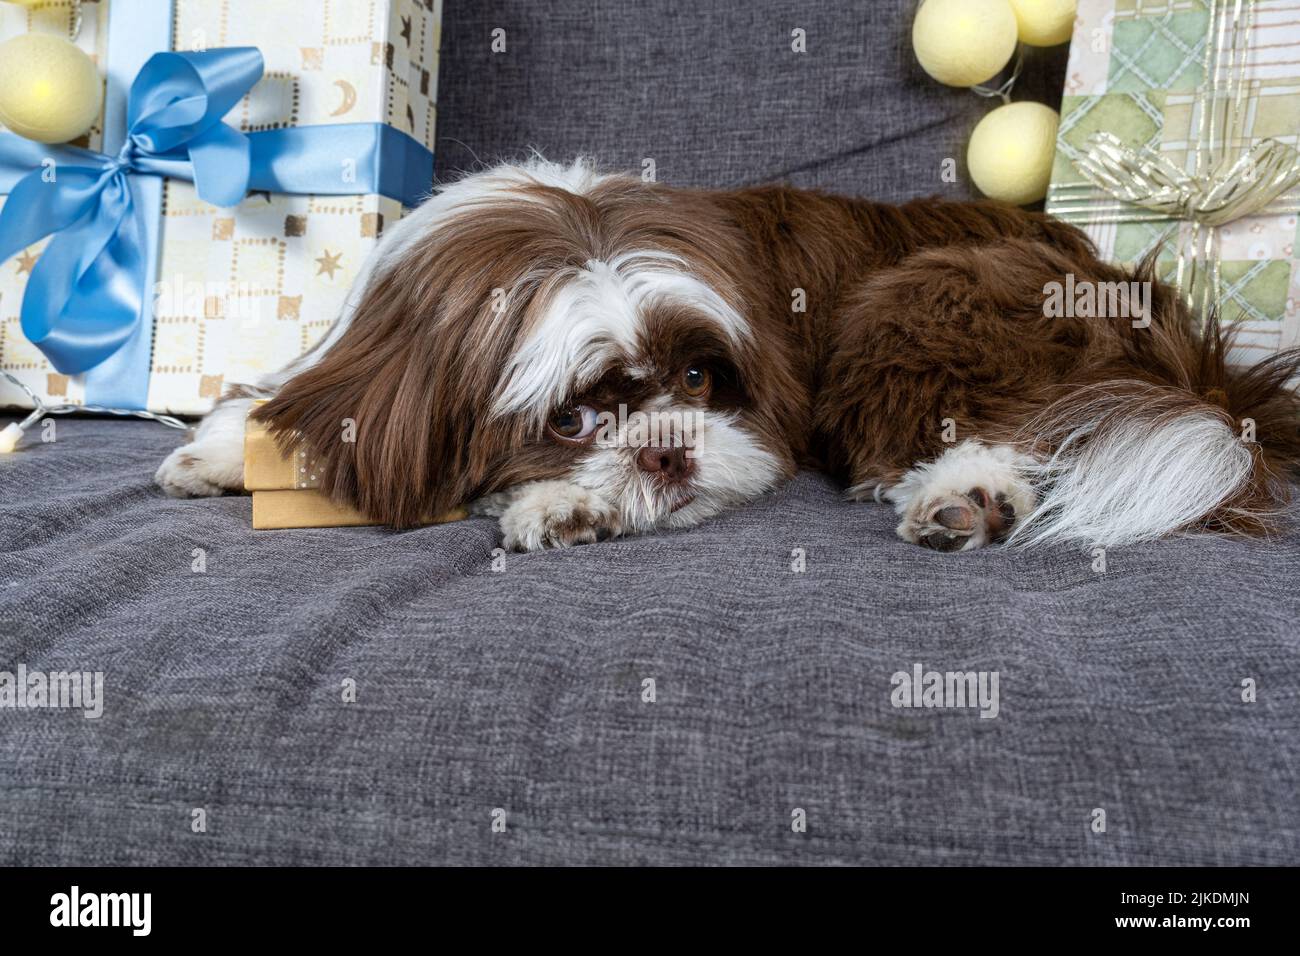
<point x="9" y="436"/>
<point x="50" y="90"/>
<point x="1045" y="22"/>
<point x="964" y="42"/>
<point x="1011" y="150"/>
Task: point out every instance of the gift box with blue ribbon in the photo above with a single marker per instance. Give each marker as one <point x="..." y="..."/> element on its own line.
<point x="209" y="228"/>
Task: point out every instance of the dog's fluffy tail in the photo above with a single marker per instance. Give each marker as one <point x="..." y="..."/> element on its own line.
<point x="1176" y="440"/>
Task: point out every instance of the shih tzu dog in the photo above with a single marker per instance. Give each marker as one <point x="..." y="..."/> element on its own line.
<point x="586" y="356"/>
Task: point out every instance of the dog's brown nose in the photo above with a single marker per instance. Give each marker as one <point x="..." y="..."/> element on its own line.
<point x="670" y="463"/>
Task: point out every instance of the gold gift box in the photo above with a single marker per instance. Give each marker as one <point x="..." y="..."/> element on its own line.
<point x="285" y="488"/>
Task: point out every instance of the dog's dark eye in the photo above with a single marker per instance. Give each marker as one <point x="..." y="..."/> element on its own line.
<point x="574" y="423"/>
<point x="696" y="380"/>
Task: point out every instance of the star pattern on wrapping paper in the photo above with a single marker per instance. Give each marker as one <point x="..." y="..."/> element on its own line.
<point x="406" y="31"/>
<point x="329" y="263"/>
<point x="25" y="262"/>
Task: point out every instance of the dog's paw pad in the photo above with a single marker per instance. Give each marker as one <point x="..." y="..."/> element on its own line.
<point x="943" y="541"/>
<point x="957" y="517"/>
<point x="959" y="522"/>
<point x="970" y="496"/>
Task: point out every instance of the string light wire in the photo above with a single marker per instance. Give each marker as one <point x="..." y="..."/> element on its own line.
<point x="13" y="432"/>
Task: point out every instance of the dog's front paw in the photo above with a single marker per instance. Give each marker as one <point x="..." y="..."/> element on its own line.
<point x="192" y="471"/>
<point x="557" y="514"/>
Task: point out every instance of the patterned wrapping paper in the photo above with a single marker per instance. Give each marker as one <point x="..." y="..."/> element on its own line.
<point x="1136" y="68"/>
<point x="244" y="290"/>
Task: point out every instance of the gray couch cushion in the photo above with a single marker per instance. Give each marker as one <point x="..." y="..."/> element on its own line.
<point x="521" y="689"/>
<point x="713" y="92"/>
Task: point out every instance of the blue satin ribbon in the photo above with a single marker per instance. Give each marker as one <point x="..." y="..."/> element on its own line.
<point x="87" y="294"/>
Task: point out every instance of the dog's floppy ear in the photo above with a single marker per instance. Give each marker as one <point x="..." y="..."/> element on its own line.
<point x="396" y="411"/>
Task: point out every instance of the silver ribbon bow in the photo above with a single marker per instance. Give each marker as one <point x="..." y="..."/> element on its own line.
<point x="1221" y="187"/>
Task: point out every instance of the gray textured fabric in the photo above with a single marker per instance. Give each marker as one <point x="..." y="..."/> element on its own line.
<point x="713" y="92"/>
<point x="522" y="689"/>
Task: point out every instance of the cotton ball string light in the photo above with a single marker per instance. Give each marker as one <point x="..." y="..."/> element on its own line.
<point x="50" y="90"/>
<point x="1045" y="22"/>
<point x="964" y="42"/>
<point x="1011" y="150"/>
<point x="9" y="436"/>
<point x="12" y="433"/>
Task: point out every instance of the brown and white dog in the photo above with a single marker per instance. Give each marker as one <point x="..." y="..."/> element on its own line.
<point x="586" y="356"/>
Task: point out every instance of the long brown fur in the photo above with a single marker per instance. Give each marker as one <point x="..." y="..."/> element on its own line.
<point x="417" y="370"/>
<point x="958" y="336"/>
<point x="915" y="313"/>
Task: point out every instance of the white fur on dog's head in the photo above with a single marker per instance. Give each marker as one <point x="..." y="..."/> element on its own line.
<point x="522" y="293"/>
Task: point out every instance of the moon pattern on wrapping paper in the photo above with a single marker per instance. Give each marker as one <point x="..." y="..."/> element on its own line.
<point x="349" y="97"/>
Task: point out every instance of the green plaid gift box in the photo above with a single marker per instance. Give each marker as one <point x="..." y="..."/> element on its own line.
<point x="1178" y="76"/>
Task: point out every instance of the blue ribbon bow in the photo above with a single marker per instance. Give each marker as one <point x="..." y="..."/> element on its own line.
<point x="86" y="294"/>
